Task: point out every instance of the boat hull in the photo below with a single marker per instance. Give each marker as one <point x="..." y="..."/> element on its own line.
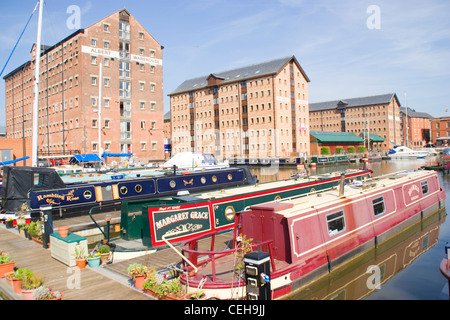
<point x="80" y="198"/>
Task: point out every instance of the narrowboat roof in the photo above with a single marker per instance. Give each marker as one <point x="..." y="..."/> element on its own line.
<point x="230" y="192"/>
<point x="304" y="204"/>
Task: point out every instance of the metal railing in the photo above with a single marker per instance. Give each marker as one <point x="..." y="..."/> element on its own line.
<point x="190" y="247"/>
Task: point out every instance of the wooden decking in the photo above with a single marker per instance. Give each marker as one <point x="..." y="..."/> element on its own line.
<point x="166" y="257"/>
<point x="109" y="282"/>
<point x="88" y="284"/>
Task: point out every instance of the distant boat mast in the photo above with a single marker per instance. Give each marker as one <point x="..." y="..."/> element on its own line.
<point x="36" y="87"/>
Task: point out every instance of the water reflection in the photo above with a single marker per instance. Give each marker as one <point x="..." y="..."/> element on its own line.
<point x="417" y="252"/>
<point x="370" y="272"/>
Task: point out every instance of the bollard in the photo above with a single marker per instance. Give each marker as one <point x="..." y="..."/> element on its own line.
<point x="47" y="221"/>
<point x="257" y="275"/>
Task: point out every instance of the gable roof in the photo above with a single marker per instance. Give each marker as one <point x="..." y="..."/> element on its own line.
<point x="331" y="136"/>
<point x="355" y="102"/>
<point x="414" y="114"/>
<point x="248" y="72"/>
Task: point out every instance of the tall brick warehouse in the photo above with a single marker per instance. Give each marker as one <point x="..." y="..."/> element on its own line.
<point x="132" y="92"/>
<point x="256" y="111"/>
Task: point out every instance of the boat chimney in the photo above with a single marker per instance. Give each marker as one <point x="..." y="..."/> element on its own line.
<point x="341" y="185"/>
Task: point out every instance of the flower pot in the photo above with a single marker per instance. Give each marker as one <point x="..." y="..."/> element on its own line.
<point x="9" y="276"/>
<point x="6" y="268"/>
<point x="63" y="231"/>
<point x="153" y="294"/>
<point x="60" y="298"/>
<point x="139" y="282"/>
<point x="104" y="257"/>
<point x="171" y="296"/>
<point x="9" y="224"/>
<point x="16" y="284"/>
<point x="93" y="262"/>
<point x="81" y="263"/>
<point x="28" y="294"/>
<point x="38" y="241"/>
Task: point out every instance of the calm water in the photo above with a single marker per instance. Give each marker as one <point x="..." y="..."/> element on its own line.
<point x="409" y="263"/>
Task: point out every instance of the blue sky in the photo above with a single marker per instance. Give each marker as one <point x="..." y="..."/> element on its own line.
<point x="408" y="51"/>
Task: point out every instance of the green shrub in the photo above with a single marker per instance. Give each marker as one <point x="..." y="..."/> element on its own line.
<point x="325" y="150"/>
<point x="351" y="150"/>
<point x="361" y="149"/>
<point x="339" y="150"/>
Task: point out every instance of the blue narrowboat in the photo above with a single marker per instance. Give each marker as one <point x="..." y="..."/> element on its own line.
<point x="38" y="187"/>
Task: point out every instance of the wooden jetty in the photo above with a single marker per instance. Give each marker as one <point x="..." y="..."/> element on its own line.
<point x="108" y="282"/>
<point x="89" y="284"/>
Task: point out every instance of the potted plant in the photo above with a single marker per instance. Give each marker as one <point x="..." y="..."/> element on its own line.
<point x="93" y="259"/>
<point x="21" y="214"/>
<point x="44" y="293"/>
<point x="138" y="273"/>
<point x="104" y="252"/>
<point x="151" y="284"/>
<point x="9" y="223"/>
<point x="15" y="280"/>
<point x="199" y="295"/>
<point x="30" y="282"/>
<point x="80" y="257"/>
<point x="6" y="264"/>
<point x="63" y="231"/>
<point x="174" y="289"/>
<point x="21" y="228"/>
<point x="34" y="230"/>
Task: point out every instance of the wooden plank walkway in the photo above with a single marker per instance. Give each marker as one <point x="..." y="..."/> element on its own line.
<point x="109" y="282"/>
<point x="163" y="258"/>
<point x="92" y="285"/>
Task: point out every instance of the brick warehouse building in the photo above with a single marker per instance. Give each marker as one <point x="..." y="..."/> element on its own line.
<point x="132" y="92"/>
<point x="416" y="133"/>
<point x="256" y="111"/>
<point x="378" y="114"/>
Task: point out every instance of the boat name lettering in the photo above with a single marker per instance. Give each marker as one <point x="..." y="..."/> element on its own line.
<point x="411" y="190"/>
<point x="177" y="217"/>
<point x="64" y="197"/>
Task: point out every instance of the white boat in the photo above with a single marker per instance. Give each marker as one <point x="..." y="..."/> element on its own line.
<point x="194" y="161"/>
<point x="402" y="152"/>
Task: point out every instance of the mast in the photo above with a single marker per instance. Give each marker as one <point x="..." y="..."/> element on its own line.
<point x="36" y="87"/>
<point x="99" y="124"/>
<point x="406" y="122"/>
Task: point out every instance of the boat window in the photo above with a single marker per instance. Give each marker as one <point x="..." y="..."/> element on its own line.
<point x="230" y="213"/>
<point x="424" y="185"/>
<point x="138" y="188"/>
<point x="378" y="206"/>
<point x="214" y="179"/>
<point x="336" y="223"/>
<point x="87" y="195"/>
<point x="123" y="190"/>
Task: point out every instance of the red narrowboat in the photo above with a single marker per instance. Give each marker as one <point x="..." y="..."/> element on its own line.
<point x="307" y="237"/>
